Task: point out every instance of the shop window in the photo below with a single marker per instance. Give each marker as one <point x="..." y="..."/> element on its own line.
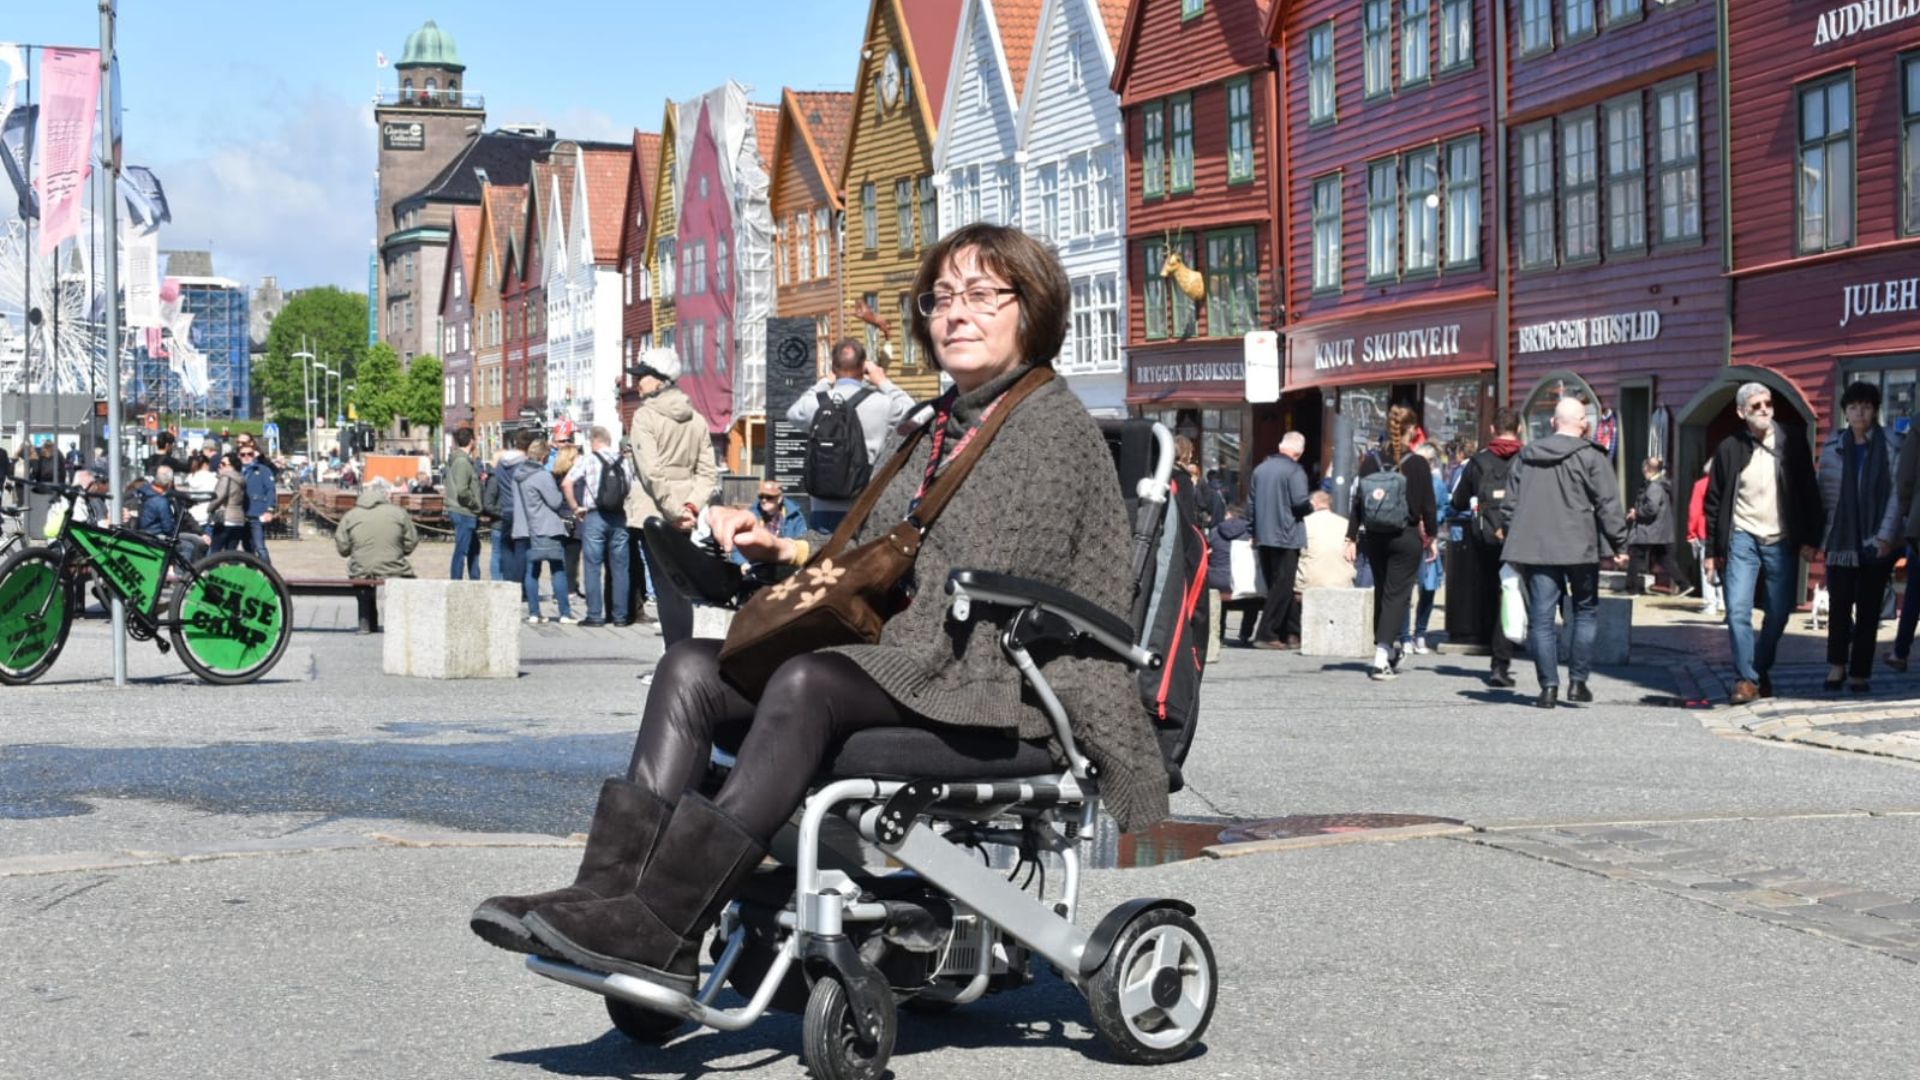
<point x="1536" y="26"/>
<point x="1233" y="283"/>
<point x="1377" y="55"/>
<point x="1450" y="414"/>
<point x="1910" y="141"/>
<point x="1677" y="108"/>
<point x="1536" y="196"/>
<point x="1463" y="202"/>
<point x="1537" y="416"/>
<point x="1383" y="220"/>
<point x="1456" y="34"/>
<point x="1326" y="234"/>
<point x="1626" y="176"/>
<point x="1422" y="210"/>
<point x="1576" y="20"/>
<point x="1622" y="12"/>
<point x="1579" y="188"/>
<point x="1897" y="383"/>
<point x="1240" y="131"/>
<point x="903" y="213"/>
<point x="929" y="212"/>
<point x="1180" y="111"/>
<point x="1416" y="41"/>
<point x="1153" y="158"/>
<point x="1320" y="81"/>
<point x="1169" y="314"/>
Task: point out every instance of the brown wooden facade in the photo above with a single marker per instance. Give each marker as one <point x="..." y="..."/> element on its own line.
<point x="1826" y="267"/>
<point x="636" y="278"/>
<point x="500" y="209"/>
<point x="808" y="212"/>
<point x="1200" y="78"/>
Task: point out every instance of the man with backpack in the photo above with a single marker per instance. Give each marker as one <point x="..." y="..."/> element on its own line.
<point x="848" y="416"/>
<point x="1484" y="487"/>
<point x="596" y="490"/>
<point x="498" y="502"/>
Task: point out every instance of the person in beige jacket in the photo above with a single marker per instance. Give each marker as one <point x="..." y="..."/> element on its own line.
<point x="674" y="474"/>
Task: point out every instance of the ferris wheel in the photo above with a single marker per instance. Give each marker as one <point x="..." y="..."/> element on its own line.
<point x="65" y="341"/>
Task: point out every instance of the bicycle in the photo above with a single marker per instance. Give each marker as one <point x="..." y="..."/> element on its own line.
<point x="228" y="615"/>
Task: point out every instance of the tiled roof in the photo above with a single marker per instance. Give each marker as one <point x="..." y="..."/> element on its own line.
<point x="933" y="26"/>
<point x="828" y="118"/>
<point x="466" y="221"/>
<point x="506" y="158"/>
<point x="548" y="176"/>
<point x="648" y="145"/>
<point x="1019" y="22"/>
<point x="1114" y="14"/>
<point x="766" y="129"/>
<point x="506" y="208"/>
<point x="607" y="172"/>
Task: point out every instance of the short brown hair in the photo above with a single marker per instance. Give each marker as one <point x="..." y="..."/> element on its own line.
<point x="1026" y="264"/>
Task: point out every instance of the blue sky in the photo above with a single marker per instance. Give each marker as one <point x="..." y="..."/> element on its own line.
<point x="256" y="114"/>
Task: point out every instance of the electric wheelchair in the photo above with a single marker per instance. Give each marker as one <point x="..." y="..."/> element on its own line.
<point x="893" y="886"/>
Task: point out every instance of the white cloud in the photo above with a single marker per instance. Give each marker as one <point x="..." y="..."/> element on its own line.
<point x="296" y="202"/>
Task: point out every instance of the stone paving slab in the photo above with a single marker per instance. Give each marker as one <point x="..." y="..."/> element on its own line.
<point x="1885" y="723"/>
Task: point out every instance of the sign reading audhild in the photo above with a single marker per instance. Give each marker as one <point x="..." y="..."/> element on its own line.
<point x="1389" y="347"/>
<point x="1590" y="332"/>
<point x="1838" y="24"/>
<point x="1879" y="297"/>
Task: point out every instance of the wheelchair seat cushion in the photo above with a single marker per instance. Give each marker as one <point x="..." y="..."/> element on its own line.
<point x="914" y="753"/>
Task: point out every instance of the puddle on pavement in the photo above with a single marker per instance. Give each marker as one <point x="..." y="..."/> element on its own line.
<point x="1184" y="838"/>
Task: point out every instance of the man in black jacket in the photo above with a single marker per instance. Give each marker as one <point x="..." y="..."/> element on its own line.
<point x="1280" y="494"/>
<point x="1763" y="506"/>
<point x="1483" y="489"/>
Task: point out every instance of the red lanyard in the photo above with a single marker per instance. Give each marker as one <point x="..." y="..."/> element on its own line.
<point x="940" y="419"/>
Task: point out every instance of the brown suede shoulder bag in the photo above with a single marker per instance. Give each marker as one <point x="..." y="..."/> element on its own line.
<point x="845" y="594"/>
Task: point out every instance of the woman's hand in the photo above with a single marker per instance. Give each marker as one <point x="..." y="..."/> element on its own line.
<point x="743" y="531"/>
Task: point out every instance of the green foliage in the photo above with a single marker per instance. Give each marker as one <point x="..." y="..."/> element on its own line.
<point x="424" y="392"/>
<point x="332" y="325"/>
<point x="379" y="392"/>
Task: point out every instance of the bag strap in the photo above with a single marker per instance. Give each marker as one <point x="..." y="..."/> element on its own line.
<point x="949" y="481"/>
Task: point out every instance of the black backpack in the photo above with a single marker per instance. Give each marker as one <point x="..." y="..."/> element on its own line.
<point x="837" y="465"/>
<point x="614" y="486"/>
<point x="1492" y="480"/>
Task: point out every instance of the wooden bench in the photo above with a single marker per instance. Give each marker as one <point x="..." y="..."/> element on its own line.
<point x="365" y="592"/>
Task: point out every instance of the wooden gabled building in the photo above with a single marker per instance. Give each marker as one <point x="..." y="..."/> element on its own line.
<point x="663" y="246"/>
<point x="456" y="318"/>
<point x="636" y="281"/>
<point x="808" y="212"/>
<point x="501" y="209"/>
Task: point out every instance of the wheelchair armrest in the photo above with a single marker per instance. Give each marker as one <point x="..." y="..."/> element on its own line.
<point x="1083" y="615"/>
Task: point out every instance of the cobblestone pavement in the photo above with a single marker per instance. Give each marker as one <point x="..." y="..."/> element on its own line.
<point x="1740" y="884"/>
<point x="1885" y="722"/>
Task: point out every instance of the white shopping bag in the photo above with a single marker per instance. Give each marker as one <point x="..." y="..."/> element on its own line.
<point x="1513" y="605"/>
<point x="1246" y="570"/>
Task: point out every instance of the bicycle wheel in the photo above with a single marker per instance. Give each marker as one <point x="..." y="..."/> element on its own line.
<point x="36" y="611"/>
<point x="231" y="621"/>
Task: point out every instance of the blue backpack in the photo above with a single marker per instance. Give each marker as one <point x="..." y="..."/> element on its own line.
<point x="1383" y="501"/>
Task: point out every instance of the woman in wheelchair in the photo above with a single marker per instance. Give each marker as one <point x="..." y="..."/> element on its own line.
<point x="662" y="860"/>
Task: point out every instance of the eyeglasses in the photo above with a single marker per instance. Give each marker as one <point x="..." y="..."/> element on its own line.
<point x="1760" y="404"/>
<point x="769" y="498"/>
<point x="980" y="299"/>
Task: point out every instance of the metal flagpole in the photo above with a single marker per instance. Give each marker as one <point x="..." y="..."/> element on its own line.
<point x="26" y="254"/>
<point x="112" y="284"/>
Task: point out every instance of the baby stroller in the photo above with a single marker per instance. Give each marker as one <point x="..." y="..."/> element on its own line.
<point x="888" y="893"/>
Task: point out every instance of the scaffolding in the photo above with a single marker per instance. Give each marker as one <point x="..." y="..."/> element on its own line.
<point x="219" y="333"/>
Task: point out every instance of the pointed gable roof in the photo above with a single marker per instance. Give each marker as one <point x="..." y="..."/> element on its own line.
<point x="1106" y="15"/>
<point x="1013" y="27"/>
<point x="1129" y="37"/>
<point x="466" y="222"/>
<point x="552" y="192"/>
<point x="644" y="166"/>
<point x="766" y="131"/>
<point x="505" y="206"/>
<point x="815" y="123"/>
<point x="1019" y="24"/>
<point x="1113" y="13"/>
<point x="931" y="29"/>
<point x="605" y="173"/>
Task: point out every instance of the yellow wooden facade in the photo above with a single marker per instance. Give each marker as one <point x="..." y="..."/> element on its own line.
<point x="662" y="248"/>
<point x="489" y="266"/>
<point x="889" y="150"/>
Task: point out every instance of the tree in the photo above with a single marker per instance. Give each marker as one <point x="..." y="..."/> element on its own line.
<point x="424" y="394"/>
<point x="379" y="387"/>
<point x="332" y="325"/>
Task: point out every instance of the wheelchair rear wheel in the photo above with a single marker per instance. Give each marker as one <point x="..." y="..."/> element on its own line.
<point x="1153" y="998"/>
<point x="834" y="1047"/>
<point x="642" y="1025"/>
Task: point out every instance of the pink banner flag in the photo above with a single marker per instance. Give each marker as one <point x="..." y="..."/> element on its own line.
<point x="64" y="149"/>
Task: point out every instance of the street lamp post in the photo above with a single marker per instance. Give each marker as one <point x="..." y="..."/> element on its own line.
<point x="306" y="392"/>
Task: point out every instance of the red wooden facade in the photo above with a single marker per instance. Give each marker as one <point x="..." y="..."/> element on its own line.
<point x="1179" y="73"/>
<point x="1828" y="93"/>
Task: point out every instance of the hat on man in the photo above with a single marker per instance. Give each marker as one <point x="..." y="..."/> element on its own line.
<point x="661" y="362"/>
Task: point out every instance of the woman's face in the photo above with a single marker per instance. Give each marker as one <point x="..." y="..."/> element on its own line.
<point x="974" y="346"/>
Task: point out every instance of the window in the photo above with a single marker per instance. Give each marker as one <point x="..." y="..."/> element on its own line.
<point x="1153" y="158"/>
<point x="782" y="249"/>
<point x="1190" y="9"/>
<point x="1677" y="108"/>
<point x="1536" y="195"/>
<point x="1011" y="180"/>
<point x="1536" y="26"/>
<point x="1079" y="340"/>
<point x="981" y="98"/>
<point x="1379" y="48"/>
<point x="1416" y="41"/>
<point x="1168" y="311"/>
<point x="697" y="348"/>
<point x="459" y="283"/>
<point x="802" y="244"/>
<point x="1233" y="283"/>
<point x="1422" y="210"/>
<point x="1910" y="137"/>
<point x="1182" y="110"/>
<point x="1049" y="182"/>
<point x="905" y="324"/>
<point x="1106" y="323"/>
<point x="929" y="211"/>
<point x="822" y="242"/>
<point x="1626" y="176"/>
<point x="1079" y="196"/>
<point x="407" y="264"/>
<point x="1106" y="189"/>
<point x="719" y="348"/>
<point x="872" y="302"/>
<point x="1456" y="34"/>
<point x="903" y="213"/>
<point x="1326" y="234"/>
<point x="1383" y="219"/>
<point x="1579" y="187"/>
<point x="1076" y="76"/>
<point x="869" y="217"/>
<point x="720" y="275"/>
<point x="1463" y="202"/>
<point x="1826" y="164"/>
<point x="965" y="187"/>
<point x="1620" y="12"/>
<point x="1576" y="20"/>
<point x="1239" y="131"/>
<point x="1320" y="102"/>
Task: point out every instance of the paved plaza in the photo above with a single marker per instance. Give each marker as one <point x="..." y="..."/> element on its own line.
<point x="272" y="880"/>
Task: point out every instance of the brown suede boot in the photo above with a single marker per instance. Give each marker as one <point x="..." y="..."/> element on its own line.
<point x="625" y="826"/>
<point x="703" y="858"/>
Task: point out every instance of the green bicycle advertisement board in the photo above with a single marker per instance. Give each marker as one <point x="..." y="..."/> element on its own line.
<point x="232" y="617"/>
<point x="134" y="567"/>
<point x="33" y="611"/>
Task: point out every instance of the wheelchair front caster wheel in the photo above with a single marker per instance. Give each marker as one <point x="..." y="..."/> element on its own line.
<point x="640" y="1024"/>
<point x="834" y="1047"/>
<point x="1154" y="996"/>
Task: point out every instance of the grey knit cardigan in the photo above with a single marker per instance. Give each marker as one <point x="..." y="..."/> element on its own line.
<point x="1042" y="502"/>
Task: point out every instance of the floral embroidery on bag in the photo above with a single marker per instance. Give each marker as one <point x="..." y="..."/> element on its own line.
<point x="783" y="590"/>
<point x="808" y="599"/>
<point x="826" y="573"/>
